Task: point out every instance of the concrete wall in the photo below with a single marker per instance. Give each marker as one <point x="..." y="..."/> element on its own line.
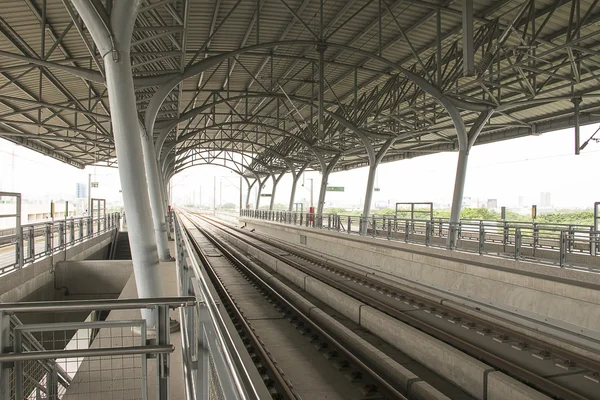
<point x="35" y="281"/>
<point x="92" y="278"/>
<point x="562" y="297"/>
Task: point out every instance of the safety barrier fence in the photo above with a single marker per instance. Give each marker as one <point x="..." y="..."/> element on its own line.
<point x="33" y="241"/>
<point x="214" y="367"/>
<point x="555" y="242"/>
<point x="89" y="359"/>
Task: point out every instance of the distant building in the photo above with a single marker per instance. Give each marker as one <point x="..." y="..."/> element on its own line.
<point x="545" y="200"/>
<point x="81" y="190"/>
<point x="492" y="204"/>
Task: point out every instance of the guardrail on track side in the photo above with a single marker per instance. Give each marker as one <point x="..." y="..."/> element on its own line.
<point x="212" y="358"/>
<point x="554" y="242"/>
<point x="38" y="240"/>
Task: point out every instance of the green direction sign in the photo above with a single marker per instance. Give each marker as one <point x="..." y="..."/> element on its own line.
<point x="265" y="195"/>
<point x="377" y="190"/>
<point x="335" y="188"/>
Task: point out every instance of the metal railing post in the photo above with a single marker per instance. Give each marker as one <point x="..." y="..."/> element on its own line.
<point x="481" y="237"/>
<point x="593" y="239"/>
<point x="518" y="239"/>
<point x="162" y="338"/>
<point x="61" y="234"/>
<point x="19" y="247"/>
<point x="349" y="224"/>
<point x="329" y="221"/>
<point x="563" y="248"/>
<point x="72" y="233"/>
<point x="81" y="229"/>
<point x="428" y="230"/>
<point x="406" y="228"/>
<point x="5" y="369"/>
<point x="48" y="238"/>
<point x="31" y="242"/>
<point x="571" y="239"/>
<point x="389" y="229"/>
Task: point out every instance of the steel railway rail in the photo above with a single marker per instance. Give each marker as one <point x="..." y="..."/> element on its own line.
<point x="360" y="376"/>
<point x="547" y="368"/>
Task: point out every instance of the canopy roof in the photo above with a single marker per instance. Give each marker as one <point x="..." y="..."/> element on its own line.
<point x="380" y="73"/>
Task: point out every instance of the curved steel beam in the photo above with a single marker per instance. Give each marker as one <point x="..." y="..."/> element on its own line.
<point x="282" y="132"/>
<point x="164" y="90"/>
<point x="265" y="147"/>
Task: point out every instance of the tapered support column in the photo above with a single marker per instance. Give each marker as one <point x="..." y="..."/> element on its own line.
<point x="374" y="160"/>
<point x="295" y="177"/>
<point x="323" y="189"/>
<point x="461" y="175"/>
<point x="249" y="193"/>
<point x="368" y="196"/>
<point x="119" y="82"/>
<point x="275" y="183"/>
<point x="260" y="185"/>
<point x="155" y="194"/>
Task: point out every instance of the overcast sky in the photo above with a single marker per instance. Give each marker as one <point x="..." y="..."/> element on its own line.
<point x="503" y="171"/>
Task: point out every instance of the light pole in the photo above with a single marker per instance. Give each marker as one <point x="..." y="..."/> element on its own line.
<point x="311" y="189"/>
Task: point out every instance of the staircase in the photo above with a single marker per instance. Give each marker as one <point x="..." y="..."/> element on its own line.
<point x="122" y="250"/>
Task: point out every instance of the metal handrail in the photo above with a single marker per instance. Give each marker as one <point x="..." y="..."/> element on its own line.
<point x="59" y="235"/>
<point x="77" y="353"/>
<point x="241" y="384"/>
<point x="103" y="304"/>
<point x="513" y="236"/>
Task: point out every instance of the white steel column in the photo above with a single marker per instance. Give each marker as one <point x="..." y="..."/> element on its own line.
<point x="295" y="177"/>
<point x="250" y="185"/>
<point x="461" y="174"/>
<point x="374" y="160"/>
<point x="260" y="185"/>
<point x="114" y="45"/>
<point x="155" y="195"/>
<point x="325" y="170"/>
<point x="275" y="183"/>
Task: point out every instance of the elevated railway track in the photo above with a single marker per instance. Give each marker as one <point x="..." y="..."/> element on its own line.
<point x="457" y="353"/>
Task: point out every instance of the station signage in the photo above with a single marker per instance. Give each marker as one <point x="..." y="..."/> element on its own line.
<point x="265" y="195"/>
<point x="335" y="188"/>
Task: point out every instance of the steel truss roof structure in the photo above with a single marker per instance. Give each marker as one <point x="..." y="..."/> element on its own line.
<point x="271" y="86"/>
